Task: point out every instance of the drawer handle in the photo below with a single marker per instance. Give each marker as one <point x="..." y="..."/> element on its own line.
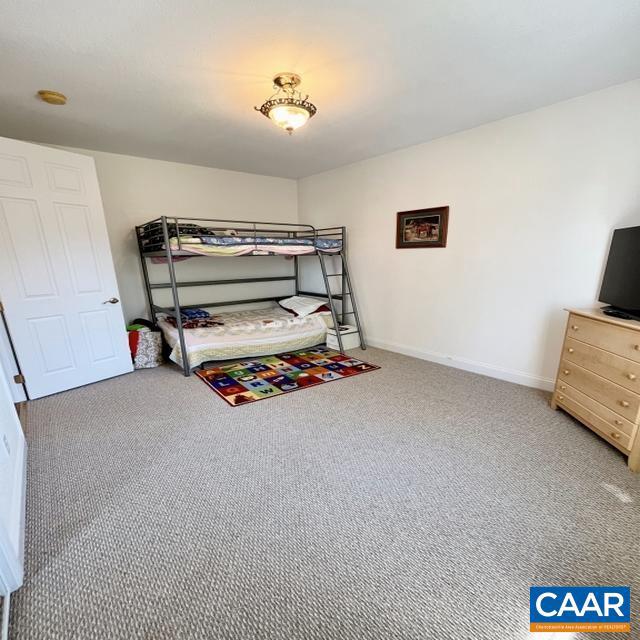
<point x="615" y="436"/>
<point x="566" y="372"/>
<point x="624" y="403"/>
<point x="618" y="422"/>
<point x="563" y="387"/>
<point x="575" y="328"/>
<point x="570" y="349"/>
<point x="631" y="376"/>
<point x="560" y="397"/>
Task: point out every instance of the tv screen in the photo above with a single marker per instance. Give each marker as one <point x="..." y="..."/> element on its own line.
<point x="621" y="282"/>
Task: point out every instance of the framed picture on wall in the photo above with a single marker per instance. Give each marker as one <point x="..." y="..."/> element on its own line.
<point x="422" y="228"/>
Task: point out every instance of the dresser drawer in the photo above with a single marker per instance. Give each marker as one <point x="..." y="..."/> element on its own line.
<point x="622" y="401"/>
<point x="620" y="370"/>
<point x="600" y="426"/>
<point x="610" y="337"/>
<point x="612" y="419"/>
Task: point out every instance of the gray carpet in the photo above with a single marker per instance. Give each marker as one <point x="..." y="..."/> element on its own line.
<point x="413" y="502"/>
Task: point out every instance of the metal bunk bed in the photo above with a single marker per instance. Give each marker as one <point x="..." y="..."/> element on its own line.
<point x="169" y="228"/>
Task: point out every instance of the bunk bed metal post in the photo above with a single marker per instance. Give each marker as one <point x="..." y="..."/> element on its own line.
<point x="334" y="315"/>
<point x="343" y="287"/>
<point x="296" y="271"/>
<point x="145" y="275"/>
<point x="186" y="370"/>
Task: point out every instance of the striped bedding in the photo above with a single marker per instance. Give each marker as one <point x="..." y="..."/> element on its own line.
<point x="257" y="332"/>
<point x="243" y="245"/>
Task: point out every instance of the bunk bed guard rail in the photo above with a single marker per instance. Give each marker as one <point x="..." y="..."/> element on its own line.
<point x="239" y="227"/>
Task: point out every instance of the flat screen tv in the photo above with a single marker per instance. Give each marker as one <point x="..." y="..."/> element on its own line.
<point x="621" y="281"/>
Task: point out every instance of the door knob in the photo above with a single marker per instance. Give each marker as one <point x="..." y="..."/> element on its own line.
<point x="111" y="301"/>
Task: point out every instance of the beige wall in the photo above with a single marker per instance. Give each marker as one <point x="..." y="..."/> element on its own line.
<point x="533" y="200"/>
<point x="135" y="190"/>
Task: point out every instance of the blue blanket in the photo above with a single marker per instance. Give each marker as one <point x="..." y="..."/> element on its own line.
<point x="225" y="241"/>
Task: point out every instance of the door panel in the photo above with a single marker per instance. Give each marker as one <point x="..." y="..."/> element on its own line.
<point x="24" y="235"/>
<point x="64" y="179"/>
<point x="14" y="171"/>
<point x="51" y="336"/>
<point x="97" y="332"/>
<point x="53" y="240"/>
<point x="80" y="251"/>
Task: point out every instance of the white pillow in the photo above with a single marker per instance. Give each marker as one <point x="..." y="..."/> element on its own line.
<point x="301" y="305"/>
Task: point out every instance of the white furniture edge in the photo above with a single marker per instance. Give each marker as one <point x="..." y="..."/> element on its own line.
<point x="5" y="594"/>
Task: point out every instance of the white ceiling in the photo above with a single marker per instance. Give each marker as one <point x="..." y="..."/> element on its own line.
<point x="178" y="80"/>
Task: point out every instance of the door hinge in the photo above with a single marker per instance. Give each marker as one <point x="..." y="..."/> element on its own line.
<point x="19" y="378"/>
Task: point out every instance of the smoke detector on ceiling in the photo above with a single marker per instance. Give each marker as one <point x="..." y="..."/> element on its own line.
<point x="52" y="97"/>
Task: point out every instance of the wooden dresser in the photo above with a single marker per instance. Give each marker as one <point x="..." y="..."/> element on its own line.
<point x="598" y="378"/>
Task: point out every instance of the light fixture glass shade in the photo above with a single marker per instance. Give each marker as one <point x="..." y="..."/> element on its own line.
<point x="287" y="107"/>
<point x="289" y="117"/>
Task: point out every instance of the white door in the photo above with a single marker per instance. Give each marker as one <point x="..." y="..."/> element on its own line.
<point x="57" y="282"/>
<point x="12" y="491"/>
<point x="9" y="367"/>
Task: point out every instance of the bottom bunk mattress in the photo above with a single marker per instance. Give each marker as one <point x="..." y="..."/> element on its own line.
<point x="258" y="332"/>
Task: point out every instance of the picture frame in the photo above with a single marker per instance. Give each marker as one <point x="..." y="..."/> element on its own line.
<point x="422" y="228"/>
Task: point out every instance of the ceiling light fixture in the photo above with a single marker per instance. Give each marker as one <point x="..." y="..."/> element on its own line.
<point x="287" y="107"/>
<point x="52" y="97"/>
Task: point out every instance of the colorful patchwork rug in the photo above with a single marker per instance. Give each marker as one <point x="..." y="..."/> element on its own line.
<point x="269" y="376"/>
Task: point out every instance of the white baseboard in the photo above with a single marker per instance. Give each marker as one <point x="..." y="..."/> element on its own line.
<point x="519" y="377"/>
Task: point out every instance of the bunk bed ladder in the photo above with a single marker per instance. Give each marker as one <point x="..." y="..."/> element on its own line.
<point x="346" y="279"/>
<point x="347" y="292"/>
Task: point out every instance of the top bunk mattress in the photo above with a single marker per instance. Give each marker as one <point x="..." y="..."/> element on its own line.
<point x="257" y="332"/>
<point x="204" y="241"/>
<point x="245" y="245"/>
